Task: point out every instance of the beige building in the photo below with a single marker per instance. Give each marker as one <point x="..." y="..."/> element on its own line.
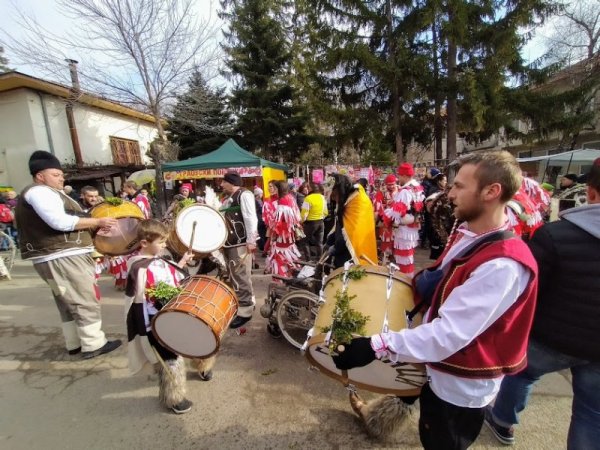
<point x="97" y="141"/>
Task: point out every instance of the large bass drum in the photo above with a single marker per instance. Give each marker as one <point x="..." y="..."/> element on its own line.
<point x="382" y="376"/>
<point x="194" y="322"/>
<point x="122" y="238"/>
<point x="210" y="233"/>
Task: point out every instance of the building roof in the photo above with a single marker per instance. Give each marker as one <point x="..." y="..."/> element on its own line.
<point x="230" y="154"/>
<point x="17" y="80"/>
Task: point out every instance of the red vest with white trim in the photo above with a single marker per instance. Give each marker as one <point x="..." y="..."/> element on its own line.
<point x="502" y="348"/>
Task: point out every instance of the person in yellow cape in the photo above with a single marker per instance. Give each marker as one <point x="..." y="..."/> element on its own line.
<point x="353" y="237"/>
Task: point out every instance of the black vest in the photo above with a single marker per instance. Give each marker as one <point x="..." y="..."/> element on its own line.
<point x="235" y="221"/>
<point x="37" y="238"/>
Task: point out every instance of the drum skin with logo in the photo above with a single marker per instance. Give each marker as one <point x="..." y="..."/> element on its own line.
<point x="382" y="376"/>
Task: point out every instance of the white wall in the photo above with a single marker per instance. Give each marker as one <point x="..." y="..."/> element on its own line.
<point x="22" y="131"/>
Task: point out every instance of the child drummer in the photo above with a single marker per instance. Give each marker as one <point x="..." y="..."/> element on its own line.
<point x="146" y="270"/>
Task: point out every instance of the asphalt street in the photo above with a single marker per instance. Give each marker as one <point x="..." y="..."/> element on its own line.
<point x="262" y="396"/>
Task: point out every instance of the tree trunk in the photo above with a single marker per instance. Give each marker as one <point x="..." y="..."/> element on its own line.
<point x="396" y="110"/>
<point x="438" y="126"/>
<point x="156" y="155"/>
<point x="451" y="104"/>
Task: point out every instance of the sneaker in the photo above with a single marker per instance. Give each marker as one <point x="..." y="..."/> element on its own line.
<point x="239" y="321"/>
<point x="182" y="407"/>
<point x="75" y="351"/>
<point x="106" y="348"/>
<point x="206" y="376"/>
<point x="503" y="434"/>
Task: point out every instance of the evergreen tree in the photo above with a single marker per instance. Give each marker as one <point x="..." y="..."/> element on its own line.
<point x="200" y="121"/>
<point x="3" y="61"/>
<point x="270" y="119"/>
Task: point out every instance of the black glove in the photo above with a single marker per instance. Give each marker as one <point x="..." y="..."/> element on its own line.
<point x="357" y="353"/>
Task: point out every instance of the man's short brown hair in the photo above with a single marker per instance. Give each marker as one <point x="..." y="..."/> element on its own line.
<point x="88" y="188"/>
<point x="496" y="167"/>
<point x="152" y="229"/>
<point x="131" y="185"/>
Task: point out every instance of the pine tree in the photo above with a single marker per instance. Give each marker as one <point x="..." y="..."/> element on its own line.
<point x="200" y="121"/>
<point x="270" y="119"/>
<point x="3" y="61"/>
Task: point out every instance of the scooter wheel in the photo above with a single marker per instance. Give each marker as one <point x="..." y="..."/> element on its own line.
<point x="274" y="331"/>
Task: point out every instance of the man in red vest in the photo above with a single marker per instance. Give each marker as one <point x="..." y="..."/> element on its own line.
<point x="479" y="300"/>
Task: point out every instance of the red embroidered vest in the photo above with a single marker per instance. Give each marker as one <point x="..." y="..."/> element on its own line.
<point x="502" y="348"/>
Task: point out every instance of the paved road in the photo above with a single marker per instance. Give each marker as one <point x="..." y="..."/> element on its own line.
<point x="262" y="396"/>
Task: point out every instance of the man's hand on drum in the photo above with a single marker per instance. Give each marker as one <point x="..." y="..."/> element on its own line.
<point x="106" y="223"/>
<point x="357" y="353"/>
<point x="186" y="258"/>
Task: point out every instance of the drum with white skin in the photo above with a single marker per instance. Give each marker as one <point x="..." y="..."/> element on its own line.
<point x="371" y="291"/>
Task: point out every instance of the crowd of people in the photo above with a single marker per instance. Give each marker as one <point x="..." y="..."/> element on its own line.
<point x="508" y="299"/>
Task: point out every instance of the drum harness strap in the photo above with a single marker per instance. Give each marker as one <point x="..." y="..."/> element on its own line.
<point x="431" y="278"/>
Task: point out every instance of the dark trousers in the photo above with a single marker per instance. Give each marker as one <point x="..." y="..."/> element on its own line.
<point x="165" y="353"/>
<point x="313" y="230"/>
<point x="444" y="426"/>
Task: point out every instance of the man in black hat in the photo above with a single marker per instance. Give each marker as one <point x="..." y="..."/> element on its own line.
<point x="55" y="237"/>
<point x="570" y="192"/>
<point x="240" y="216"/>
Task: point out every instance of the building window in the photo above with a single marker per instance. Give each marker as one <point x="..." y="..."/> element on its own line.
<point x="125" y="152"/>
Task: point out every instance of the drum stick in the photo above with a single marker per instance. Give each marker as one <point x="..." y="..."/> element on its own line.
<point x="366" y="258"/>
<point x="163" y="364"/>
<point x="192" y="238"/>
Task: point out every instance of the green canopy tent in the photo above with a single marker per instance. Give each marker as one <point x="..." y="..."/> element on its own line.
<point x="228" y="156"/>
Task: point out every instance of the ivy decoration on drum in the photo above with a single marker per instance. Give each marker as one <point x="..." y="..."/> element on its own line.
<point x="347" y="322"/>
<point x="162" y="294"/>
<point x="114" y="201"/>
<point x="186" y="202"/>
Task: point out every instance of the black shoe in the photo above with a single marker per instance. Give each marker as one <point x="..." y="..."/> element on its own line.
<point x="206" y="376"/>
<point x="239" y="321"/>
<point x="503" y="434"/>
<point x="182" y="407"/>
<point x="75" y="351"/>
<point x="106" y="348"/>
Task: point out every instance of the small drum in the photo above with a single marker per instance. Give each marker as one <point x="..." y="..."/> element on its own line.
<point x="386" y="377"/>
<point x="122" y="238"/>
<point x="194" y="322"/>
<point x="210" y="233"/>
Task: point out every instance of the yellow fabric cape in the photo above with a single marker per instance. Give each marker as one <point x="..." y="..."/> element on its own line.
<point x="359" y="228"/>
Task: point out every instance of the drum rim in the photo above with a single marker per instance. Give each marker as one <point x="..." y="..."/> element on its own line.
<point x="397" y="275"/>
<point x="138" y="212"/>
<point x="218" y="214"/>
<point x="320" y="339"/>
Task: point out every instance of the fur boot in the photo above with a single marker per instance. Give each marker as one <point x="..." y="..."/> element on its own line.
<point x="172" y="385"/>
<point x="204" y="367"/>
<point x="383" y="416"/>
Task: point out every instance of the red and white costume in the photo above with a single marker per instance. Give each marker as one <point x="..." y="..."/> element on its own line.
<point x="406" y="207"/>
<point x="525" y="210"/>
<point x="384" y="199"/>
<point x="144" y="205"/>
<point x="268" y="215"/>
<point x="283" y="252"/>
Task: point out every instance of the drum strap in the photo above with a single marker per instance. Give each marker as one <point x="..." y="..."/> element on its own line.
<point x="427" y="281"/>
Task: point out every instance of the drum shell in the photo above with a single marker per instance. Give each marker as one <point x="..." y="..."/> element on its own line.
<point x="204" y="299"/>
<point x="121" y="239"/>
<point x="176" y="246"/>
<point x="370" y="300"/>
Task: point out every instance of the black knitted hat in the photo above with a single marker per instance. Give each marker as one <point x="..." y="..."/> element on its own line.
<point x="233" y="178"/>
<point x="42" y="160"/>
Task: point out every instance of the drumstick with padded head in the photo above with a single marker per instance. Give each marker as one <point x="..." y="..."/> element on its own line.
<point x="192" y="238"/>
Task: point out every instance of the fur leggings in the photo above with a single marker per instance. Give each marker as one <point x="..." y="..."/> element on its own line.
<point x="172" y="385"/>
